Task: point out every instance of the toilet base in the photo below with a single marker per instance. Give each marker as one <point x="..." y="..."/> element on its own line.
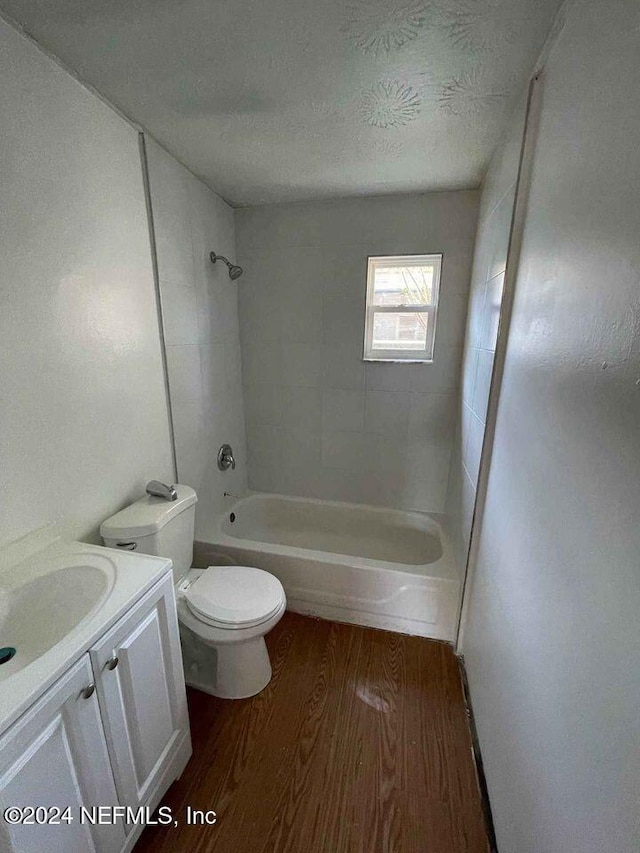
<point x="227" y="671"/>
<point x="226" y="663"/>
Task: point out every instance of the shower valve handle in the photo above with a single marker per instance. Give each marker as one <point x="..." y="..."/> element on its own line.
<point x="225" y="458"/>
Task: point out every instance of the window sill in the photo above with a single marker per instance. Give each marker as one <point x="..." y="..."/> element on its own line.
<point x="398" y="360"/>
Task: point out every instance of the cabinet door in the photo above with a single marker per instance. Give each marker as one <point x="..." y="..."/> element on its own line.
<point x="138" y="673"/>
<point x="56" y="755"/>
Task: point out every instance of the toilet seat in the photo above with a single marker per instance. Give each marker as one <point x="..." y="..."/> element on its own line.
<point x="234" y="597"/>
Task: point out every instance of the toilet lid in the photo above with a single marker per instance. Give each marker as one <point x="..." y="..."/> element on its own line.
<point x="235" y="595"/>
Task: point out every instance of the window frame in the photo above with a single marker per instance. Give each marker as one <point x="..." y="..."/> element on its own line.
<point x="425" y="355"/>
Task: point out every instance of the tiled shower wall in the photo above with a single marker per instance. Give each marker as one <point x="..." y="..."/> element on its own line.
<point x="200" y="317"/>
<point x="321" y="422"/>
<point x="485" y="299"/>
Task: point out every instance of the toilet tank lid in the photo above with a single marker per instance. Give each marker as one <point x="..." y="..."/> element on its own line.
<point x="147" y="515"/>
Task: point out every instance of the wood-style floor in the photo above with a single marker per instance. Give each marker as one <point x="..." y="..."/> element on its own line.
<point x="360" y="744"/>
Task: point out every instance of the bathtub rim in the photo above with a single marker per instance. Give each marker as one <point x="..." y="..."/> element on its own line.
<point x="446" y="568"/>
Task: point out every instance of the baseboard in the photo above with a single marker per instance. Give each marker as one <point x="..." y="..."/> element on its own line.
<point x="477" y="757"/>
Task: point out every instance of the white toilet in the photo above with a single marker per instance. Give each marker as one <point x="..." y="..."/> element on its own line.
<point x="224" y="611"/>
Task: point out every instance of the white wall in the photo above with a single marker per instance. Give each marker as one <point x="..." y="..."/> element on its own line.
<point x="83" y="416"/>
<point x="321" y="422"/>
<point x="552" y="644"/>
<point x="485" y="301"/>
<point x="200" y="317"/>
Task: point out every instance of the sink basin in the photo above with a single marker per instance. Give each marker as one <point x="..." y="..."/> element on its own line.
<point x="39" y="612"/>
<point x="57" y="599"/>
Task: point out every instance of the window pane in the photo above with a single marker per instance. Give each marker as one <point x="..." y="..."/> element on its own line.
<point x="400" y="331"/>
<point x="403" y="285"/>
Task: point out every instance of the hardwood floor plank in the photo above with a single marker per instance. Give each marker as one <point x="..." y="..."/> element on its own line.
<point x="360" y="744"/>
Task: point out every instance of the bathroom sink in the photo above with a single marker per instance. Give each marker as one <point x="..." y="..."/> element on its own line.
<point x="57" y="598"/>
<point x="38" y="612"/>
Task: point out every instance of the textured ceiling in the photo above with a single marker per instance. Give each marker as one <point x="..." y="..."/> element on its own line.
<point x="278" y="100"/>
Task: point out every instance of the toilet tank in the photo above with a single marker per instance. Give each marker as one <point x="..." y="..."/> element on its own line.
<point x="156" y="526"/>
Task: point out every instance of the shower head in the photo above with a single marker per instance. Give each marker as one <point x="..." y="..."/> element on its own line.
<point x="234" y="270"/>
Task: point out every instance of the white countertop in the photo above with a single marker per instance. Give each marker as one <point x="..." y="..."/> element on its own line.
<point x="129" y="576"/>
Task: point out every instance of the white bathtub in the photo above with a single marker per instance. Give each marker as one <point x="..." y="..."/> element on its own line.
<point x="369" y="566"/>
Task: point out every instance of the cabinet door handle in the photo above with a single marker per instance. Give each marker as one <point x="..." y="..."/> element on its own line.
<point x="113" y="663"/>
<point x="88" y="692"/>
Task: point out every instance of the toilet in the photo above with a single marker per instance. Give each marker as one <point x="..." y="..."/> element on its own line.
<point x="224" y="612"/>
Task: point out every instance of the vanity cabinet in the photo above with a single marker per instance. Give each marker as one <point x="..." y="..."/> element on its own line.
<point x="56" y="756"/>
<point x="113" y="730"/>
<point x="140" y="683"/>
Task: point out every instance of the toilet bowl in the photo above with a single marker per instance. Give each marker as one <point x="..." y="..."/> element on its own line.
<point x="224" y="612"/>
<point x="229" y="610"/>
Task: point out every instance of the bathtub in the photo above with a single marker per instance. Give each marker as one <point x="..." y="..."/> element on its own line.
<point x="365" y="565"/>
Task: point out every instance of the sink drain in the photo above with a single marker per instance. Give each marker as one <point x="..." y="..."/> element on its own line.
<point x="6" y="653"/>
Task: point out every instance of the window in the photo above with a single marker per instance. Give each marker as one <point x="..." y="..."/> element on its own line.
<point x="402" y="305"/>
